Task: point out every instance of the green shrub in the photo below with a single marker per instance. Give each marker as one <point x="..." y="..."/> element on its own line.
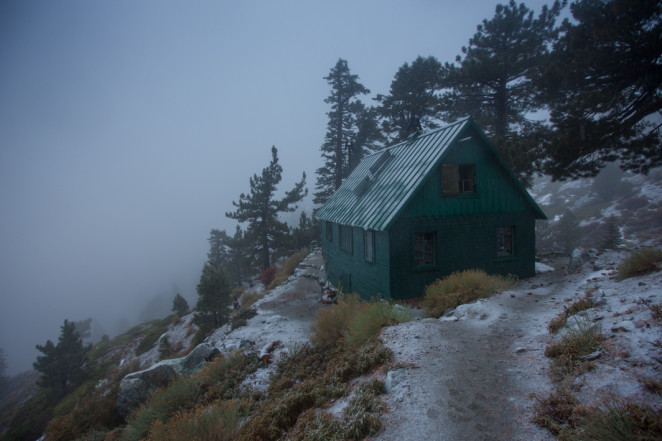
<point x="95" y="414"/>
<point x="288" y="268"/>
<point x="352" y="322"/>
<point x="217" y="423"/>
<point x="156" y="329"/>
<point x="181" y="395"/>
<point x="640" y="262"/>
<point x="222" y="376"/>
<point x="459" y="288"/>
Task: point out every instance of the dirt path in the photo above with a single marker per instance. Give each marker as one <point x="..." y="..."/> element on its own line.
<point x="471" y="379"/>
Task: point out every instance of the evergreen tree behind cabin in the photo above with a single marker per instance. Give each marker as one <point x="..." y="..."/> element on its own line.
<point x="260" y="210"/>
<point x="604" y="87"/>
<point x="413" y="103"/>
<point x="351" y="129"/>
<point x="492" y="81"/>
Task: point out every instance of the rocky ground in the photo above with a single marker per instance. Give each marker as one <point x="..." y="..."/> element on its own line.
<point x="474" y="373"/>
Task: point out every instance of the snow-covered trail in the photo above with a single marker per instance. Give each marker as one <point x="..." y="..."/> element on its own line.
<point x="470" y="377"/>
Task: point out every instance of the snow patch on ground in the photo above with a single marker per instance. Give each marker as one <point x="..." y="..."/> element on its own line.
<point x="470" y="375"/>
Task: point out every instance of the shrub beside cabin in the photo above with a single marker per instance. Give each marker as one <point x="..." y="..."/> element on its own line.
<point x="437" y="203"/>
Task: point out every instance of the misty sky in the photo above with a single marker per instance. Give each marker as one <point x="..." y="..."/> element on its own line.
<point x="127" y="128"/>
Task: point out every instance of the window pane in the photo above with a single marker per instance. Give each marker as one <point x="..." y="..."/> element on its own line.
<point x="505" y="241"/>
<point x="345" y="237"/>
<point x="424" y="248"/>
<point x="329" y="231"/>
<point x="467" y="178"/>
<point x="369" y="245"/>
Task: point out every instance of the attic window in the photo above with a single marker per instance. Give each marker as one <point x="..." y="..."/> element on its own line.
<point x="458" y="179"/>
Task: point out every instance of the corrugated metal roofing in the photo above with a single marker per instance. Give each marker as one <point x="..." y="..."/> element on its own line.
<point x="381" y="185"/>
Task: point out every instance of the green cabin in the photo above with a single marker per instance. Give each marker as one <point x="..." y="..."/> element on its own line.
<point x="434" y="204"/>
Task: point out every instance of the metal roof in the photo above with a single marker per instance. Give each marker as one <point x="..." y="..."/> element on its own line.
<point x="382" y="184"/>
<point x="380" y="187"/>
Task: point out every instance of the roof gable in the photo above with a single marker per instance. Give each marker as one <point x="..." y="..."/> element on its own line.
<point x="381" y="186"/>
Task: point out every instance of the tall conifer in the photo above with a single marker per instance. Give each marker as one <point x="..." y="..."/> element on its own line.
<point x="260" y="210"/>
<point x="350" y="130"/>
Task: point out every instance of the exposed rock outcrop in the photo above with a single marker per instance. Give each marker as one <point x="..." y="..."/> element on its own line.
<point x="137" y="387"/>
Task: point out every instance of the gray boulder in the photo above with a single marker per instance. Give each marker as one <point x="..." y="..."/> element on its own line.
<point x="578" y="258"/>
<point x="137" y="387"/>
<point x="202" y="353"/>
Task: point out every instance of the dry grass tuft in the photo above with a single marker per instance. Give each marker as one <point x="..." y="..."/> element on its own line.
<point x="288" y="268"/>
<point x="640" y="262"/>
<point x="460" y="288"/>
<point x="580" y="305"/>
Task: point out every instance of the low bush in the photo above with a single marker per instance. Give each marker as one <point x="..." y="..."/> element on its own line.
<point x="461" y="287"/>
<point x="353" y="322"/>
<point x="619" y="421"/>
<point x="222" y="376"/>
<point x="96" y="414"/>
<point x="556" y="412"/>
<point x="288" y="268"/>
<point x="640" y="262"/>
<point x="315" y="424"/>
<point x="218" y="423"/>
<point x="576" y="342"/>
<point x="181" y="395"/>
<point x="579" y="305"/>
<point x="268" y="275"/>
<point x="156" y="329"/>
<point x="360" y="418"/>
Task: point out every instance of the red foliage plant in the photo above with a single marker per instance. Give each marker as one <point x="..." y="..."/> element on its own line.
<point x="268" y="275"/>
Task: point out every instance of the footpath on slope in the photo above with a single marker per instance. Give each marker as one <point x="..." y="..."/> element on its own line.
<point x="470" y="376"/>
<point x="284" y="315"/>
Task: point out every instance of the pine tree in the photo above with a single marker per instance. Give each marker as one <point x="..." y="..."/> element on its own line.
<point x="305" y="233"/>
<point x="63" y="366"/>
<point x="612" y="239"/>
<point x="260" y="210"/>
<point x="232" y="254"/>
<point x="351" y="129"/>
<point x="493" y="81"/>
<point x="604" y="83"/>
<point x="213" y="297"/>
<point x="413" y="102"/>
<point x="180" y="305"/>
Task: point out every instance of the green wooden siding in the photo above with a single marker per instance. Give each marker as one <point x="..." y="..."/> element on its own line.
<point x="462" y="242"/>
<point x="495" y="191"/>
<point x="351" y="271"/>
